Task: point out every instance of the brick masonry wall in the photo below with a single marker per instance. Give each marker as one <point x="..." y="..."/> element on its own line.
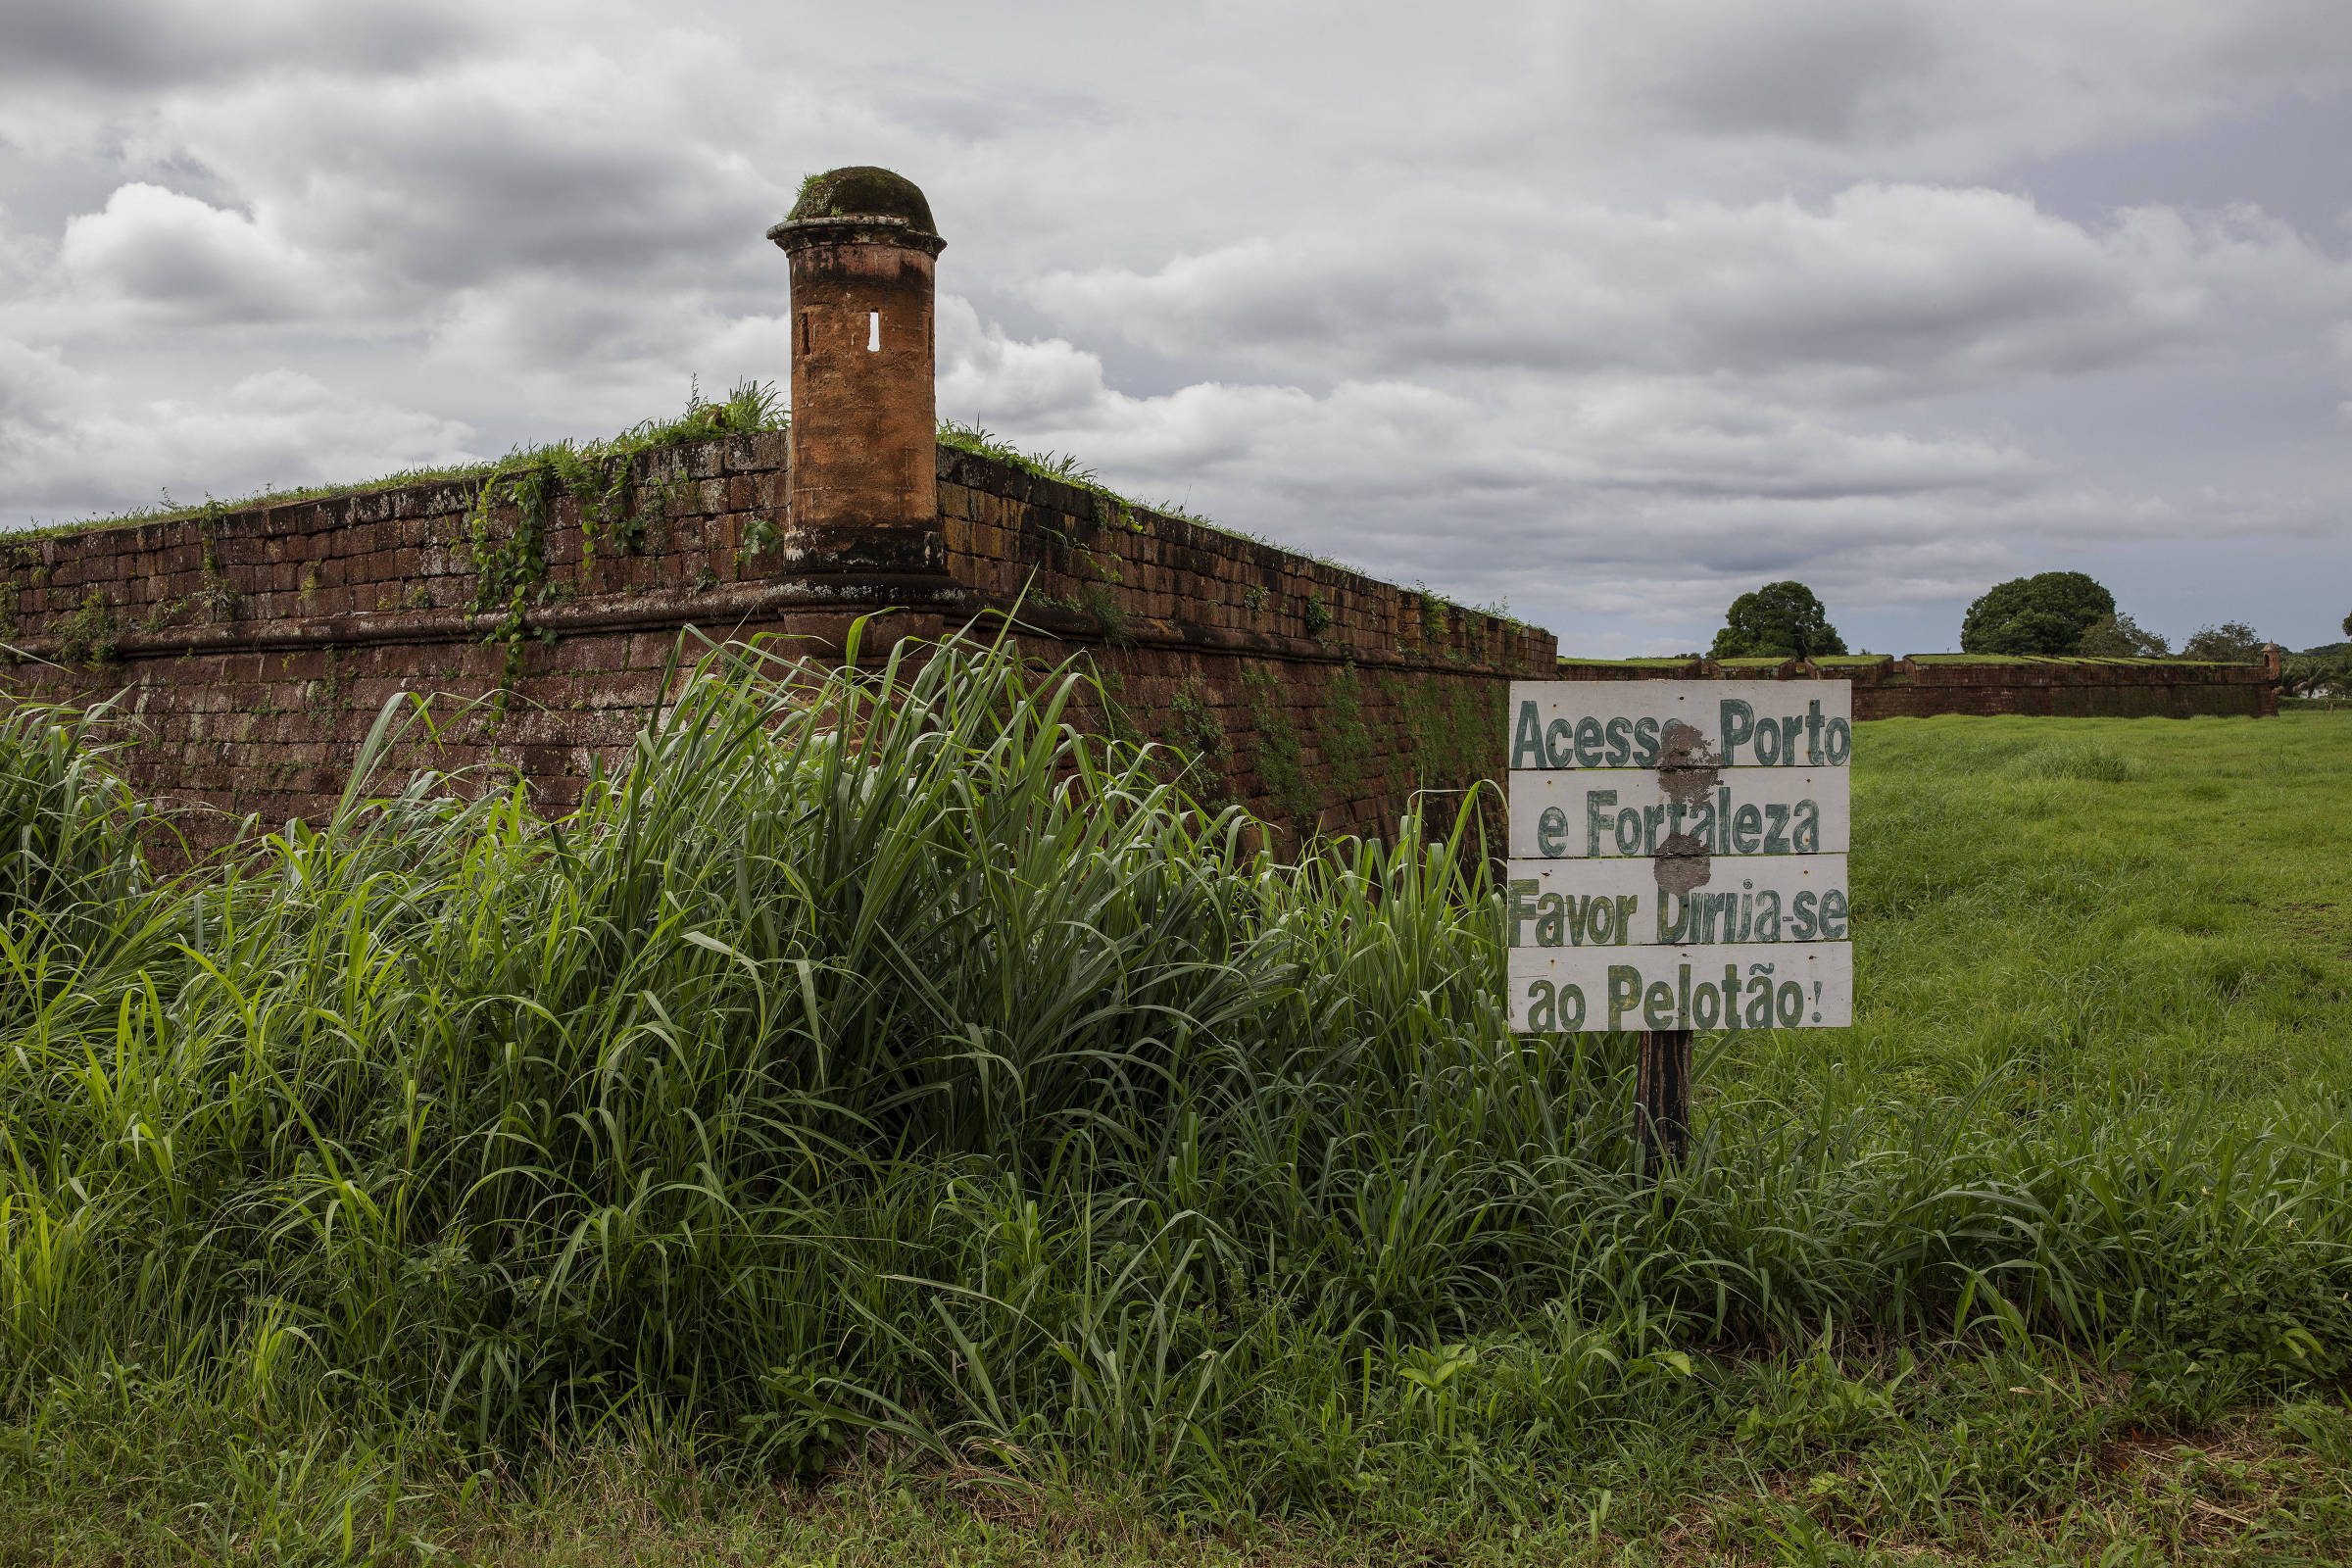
<point x="1326" y="698"/>
<point x="1926" y="684"/>
<point x="253" y="649"/>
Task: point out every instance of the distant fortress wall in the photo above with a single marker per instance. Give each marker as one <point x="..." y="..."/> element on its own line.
<point x="1926" y="684"/>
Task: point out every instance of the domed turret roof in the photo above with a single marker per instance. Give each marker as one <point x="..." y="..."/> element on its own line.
<point x="863" y="191"/>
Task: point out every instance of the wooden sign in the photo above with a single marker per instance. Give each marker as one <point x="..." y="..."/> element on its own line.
<point x="1678" y="855"/>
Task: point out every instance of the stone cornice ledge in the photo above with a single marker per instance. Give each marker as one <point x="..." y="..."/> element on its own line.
<point x="1137" y="631"/>
<point x="604" y="613"/>
<point x="737" y="605"/>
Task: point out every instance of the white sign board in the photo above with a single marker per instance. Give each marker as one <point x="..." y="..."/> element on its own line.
<point x="1679" y="854"/>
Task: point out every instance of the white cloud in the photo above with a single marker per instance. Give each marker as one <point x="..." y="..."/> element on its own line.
<point x="71" y="442"/>
<point x="538" y="163"/>
<point x="986" y="376"/>
<point x="154" y="247"/>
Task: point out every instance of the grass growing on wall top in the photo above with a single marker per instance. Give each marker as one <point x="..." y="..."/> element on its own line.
<point x="748" y="407"/>
<point x="877" y="1075"/>
<point x="599" y="469"/>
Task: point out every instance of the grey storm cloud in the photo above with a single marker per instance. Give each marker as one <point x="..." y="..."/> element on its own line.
<point x="141" y="45"/>
<point x="1609" y="313"/>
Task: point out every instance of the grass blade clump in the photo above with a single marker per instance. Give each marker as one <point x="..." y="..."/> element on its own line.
<point x="2090" y="762"/>
<point x="69" y="825"/>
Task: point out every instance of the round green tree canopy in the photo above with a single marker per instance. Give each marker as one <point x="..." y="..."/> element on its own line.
<point x="2233" y="642"/>
<point x="2047" y="613"/>
<point x="1778" y="620"/>
<point x="2118" y="636"/>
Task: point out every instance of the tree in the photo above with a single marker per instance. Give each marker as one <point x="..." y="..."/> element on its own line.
<point x="2317" y="673"/>
<point x="1778" y="620"/>
<point x="2118" y="636"/>
<point x="2047" y="613"/>
<point x="2233" y="642"/>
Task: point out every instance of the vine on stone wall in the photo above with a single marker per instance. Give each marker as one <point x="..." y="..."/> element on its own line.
<point x="509" y="570"/>
<point x="1347" y="739"/>
<point x="1450" y="726"/>
<point x="217" y="599"/>
<point x="616" y="505"/>
<point x="1434" y="620"/>
<point x="1198" y="732"/>
<point x="325" y="697"/>
<point x="1281" y="759"/>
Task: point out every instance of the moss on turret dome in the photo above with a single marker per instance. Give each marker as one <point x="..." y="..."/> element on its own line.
<point x="863" y="191"/>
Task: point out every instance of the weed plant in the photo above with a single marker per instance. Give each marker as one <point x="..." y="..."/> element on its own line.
<point x="877" y="1070"/>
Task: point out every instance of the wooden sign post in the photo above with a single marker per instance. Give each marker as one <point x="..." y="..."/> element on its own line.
<point x="1677" y="863"/>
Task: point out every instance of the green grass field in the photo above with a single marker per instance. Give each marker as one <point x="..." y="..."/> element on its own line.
<point x="817" y="1152"/>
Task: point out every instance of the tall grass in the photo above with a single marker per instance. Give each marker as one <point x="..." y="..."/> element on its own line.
<point x="874" y="1058"/>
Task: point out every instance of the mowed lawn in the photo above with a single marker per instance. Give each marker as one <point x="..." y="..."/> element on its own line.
<point x="2053" y="917"/>
<point x="2097" y="905"/>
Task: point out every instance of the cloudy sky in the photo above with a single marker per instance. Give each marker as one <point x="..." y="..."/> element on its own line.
<point x="1609" y="312"/>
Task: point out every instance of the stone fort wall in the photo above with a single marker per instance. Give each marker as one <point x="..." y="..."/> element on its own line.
<point x="251" y="650"/>
<point x="1924" y="685"/>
